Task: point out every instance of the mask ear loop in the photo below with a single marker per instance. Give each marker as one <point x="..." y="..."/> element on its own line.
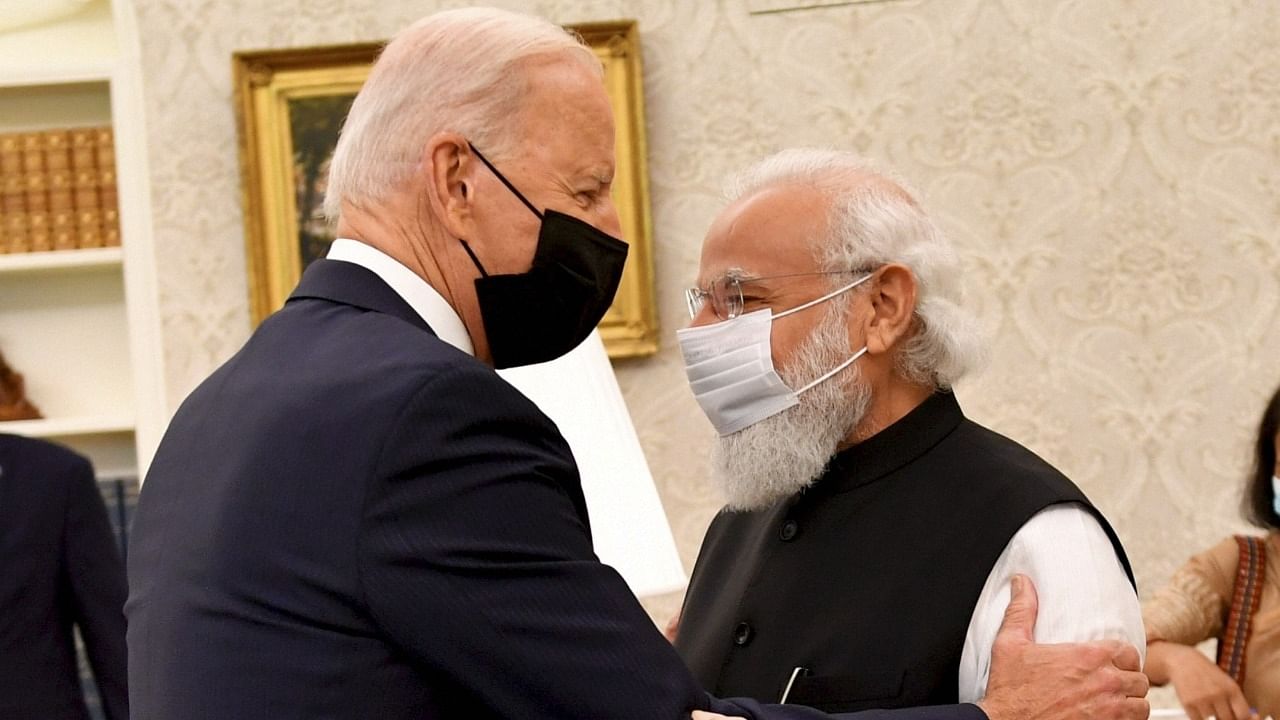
<point x="505" y="181"/>
<point x="826" y="297"/>
<point x="854" y="358"/>
<point x="833" y="371"/>
<point x="471" y="253"/>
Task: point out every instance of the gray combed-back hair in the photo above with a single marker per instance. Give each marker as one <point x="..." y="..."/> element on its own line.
<point x="875" y="220"/>
<point x="456" y="70"/>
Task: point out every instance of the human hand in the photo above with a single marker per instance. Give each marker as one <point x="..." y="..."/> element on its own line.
<point x="1093" y="681"/>
<point x="702" y="715"/>
<point x="672" y="630"/>
<point x="1203" y="688"/>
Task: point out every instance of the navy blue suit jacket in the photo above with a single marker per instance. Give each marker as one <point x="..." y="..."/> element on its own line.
<point x="353" y="519"/>
<point x="59" y="569"/>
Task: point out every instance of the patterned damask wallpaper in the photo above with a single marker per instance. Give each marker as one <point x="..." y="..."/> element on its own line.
<point x="1110" y="170"/>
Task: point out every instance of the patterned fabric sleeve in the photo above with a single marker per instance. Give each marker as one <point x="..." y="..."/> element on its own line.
<point x="1190" y="609"/>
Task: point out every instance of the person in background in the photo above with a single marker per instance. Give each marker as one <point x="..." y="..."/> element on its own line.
<point x="872" y="531"/>
<point x="1232" y="592"/>
<point x="60" y="571"/>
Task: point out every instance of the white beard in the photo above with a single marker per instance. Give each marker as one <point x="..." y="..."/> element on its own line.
<point x="785" y="453"/>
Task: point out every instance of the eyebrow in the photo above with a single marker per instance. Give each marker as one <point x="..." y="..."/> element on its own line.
<point x="602" y="173"/>
<point x="742" y="276"/>
<point x="736" y="273"/>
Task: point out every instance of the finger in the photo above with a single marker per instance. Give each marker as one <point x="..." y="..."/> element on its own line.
<point x="1135" y="709"/>
<point x="1020" y="617"/>
<point x="1126" y="657"/>
<point x="1194" y="711"/>
<point x="672" y="630"/>
<point x="702" y="715"/>
<point x="1135" y="684"/>
<point x="1239" y="705"/>
<point x="1222" y="710"/>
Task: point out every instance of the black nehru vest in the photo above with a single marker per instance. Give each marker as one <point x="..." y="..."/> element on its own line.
<point x="867" y="580"/>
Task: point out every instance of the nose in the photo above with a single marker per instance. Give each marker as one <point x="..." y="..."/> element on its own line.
<point x="705" y="316"/>
<point x="609" y="220"/>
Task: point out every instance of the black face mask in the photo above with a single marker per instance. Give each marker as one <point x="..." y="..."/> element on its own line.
<point x="539" y="315"/>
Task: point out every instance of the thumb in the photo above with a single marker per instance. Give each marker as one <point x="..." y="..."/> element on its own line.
<point x="1020" y="617"/>
<point x="672" y="630"/>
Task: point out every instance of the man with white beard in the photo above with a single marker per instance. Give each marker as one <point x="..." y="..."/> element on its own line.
<point x="871" y="533"/>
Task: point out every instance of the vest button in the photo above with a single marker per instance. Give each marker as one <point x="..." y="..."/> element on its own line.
<point x="789" y="530"/>
<point x="743" y="634"/>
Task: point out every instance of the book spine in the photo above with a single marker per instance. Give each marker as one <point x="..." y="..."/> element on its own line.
<point x="108" y="190"/>
<point x="15" y="214"/>
<point x="13" y="196"/>
<point x="6" y="147"/>
<point x="57" y="158"/>
<point x="36" y="180"/>
<point x="84" y="189"/>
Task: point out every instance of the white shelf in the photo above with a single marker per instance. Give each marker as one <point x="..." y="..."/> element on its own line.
<point x="41" y="106"/>
<point x="59" y="74"/>
<point x="61" y="260"/>
<point x="69" y="427"/>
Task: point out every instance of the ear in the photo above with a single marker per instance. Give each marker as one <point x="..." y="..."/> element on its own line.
<point x="449" y="186"/>
<point x="893" y="305"/>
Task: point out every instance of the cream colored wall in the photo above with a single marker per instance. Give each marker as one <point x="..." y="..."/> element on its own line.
<point x="1110" y="170"/>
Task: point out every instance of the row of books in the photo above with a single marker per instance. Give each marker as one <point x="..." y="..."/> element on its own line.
<point x="58" y="190"/>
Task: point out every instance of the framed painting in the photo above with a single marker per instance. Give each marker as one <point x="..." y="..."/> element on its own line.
<point x="290" y="107"/>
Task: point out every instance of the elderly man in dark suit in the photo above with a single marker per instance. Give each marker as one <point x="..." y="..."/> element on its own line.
<point x="355" y="517"/>
<point x="59" y="571"/>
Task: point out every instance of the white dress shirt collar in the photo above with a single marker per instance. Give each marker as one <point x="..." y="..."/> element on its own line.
<point x="415" y="291"/>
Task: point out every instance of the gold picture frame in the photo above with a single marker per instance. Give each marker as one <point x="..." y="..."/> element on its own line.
<point x="289" y="106"/>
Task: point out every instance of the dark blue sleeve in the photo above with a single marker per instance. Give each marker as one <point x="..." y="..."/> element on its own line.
<point x="476" y="560"/>
<point x="752" y="709"/>
<point x="96" y="579"/>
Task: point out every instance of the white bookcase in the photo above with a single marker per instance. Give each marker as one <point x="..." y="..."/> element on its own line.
<point x="82" y="326"/>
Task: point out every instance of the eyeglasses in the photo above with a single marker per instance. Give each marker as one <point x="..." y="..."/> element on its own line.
<point x="725" y="292"/>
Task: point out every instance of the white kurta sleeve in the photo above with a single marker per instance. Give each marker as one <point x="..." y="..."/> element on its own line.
<point x="1083" y="590"/>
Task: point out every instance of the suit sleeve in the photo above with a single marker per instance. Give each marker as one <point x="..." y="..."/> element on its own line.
<point x="476" y="560"/>
<point x="95" y="576"/>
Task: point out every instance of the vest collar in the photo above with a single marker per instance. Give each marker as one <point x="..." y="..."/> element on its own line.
<point x="896" y="446"/>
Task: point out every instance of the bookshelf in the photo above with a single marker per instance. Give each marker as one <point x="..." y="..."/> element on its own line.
<point x="82" y="326"/>
<point x="72" y="426"/>
<point x="61" y="261"/>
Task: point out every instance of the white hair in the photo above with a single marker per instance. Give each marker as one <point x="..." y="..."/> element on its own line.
<point x="457" y="71"/>
<point x="875" y="220"/>
<point x="785" y="453"/>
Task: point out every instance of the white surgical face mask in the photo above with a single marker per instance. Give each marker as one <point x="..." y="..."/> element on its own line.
<point x="730" y="367"/>
<point x="1275" y="494"/>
